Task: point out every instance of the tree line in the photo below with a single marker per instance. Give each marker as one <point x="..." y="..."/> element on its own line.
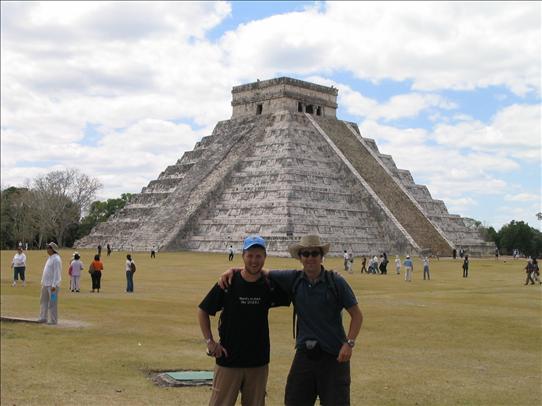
<point x="58" y="206"/>
<point x="516" y="235"/>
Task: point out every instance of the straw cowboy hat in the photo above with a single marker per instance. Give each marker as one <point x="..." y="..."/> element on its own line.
<point x="308" y="241"/>
<point x="53" y="246"/>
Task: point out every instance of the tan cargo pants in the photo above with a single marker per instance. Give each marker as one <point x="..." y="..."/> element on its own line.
<point x="227" y="382"/>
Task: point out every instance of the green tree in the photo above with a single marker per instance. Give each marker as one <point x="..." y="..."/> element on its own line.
<point x="519" y="235"/>
<point x="18" y="220"/>
<point x="100" y="212"/>
<point x="490" y="234"/>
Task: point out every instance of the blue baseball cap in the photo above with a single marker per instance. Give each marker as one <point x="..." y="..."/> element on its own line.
<point x="253" y="240"/>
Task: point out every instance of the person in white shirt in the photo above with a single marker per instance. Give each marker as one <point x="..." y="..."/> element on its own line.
<point x="350" y="262"/>
<point x="19" y="266"/>
<point x="426" y="268"/>
<point x="76" y="266"/>
<point x="50" y="284"/>
<point x="397" y="265"/>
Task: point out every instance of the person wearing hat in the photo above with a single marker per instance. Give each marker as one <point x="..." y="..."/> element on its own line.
<point x="409" y="267"/>
<point x="242" y="353"/>
<point x="50" y="284"/>
<point x="76" y="268"/>
<point x="19" y="266"/>
<point x="321" y="366"/>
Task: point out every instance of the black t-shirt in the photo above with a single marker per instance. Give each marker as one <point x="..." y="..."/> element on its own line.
<point x="243" y="326"/>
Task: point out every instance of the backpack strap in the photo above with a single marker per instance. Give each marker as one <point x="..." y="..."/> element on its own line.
<point x="329" y="277"/>
<point x="295" y="285"/>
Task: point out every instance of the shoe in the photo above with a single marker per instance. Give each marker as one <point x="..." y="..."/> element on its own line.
<point x="41" y="321"/>
<point x="51" y="323"/>
<point x="77" y="290"/>
<point x="14" y="284"/>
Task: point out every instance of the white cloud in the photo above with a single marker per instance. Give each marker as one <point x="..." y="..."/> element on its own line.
<point x="449" y="173"/>
<point x="438" y="45"/>
<point x="522" y="197"/>
<point x="399" y="106"/>
<point x="132" y="70"/>
<point x="514" y="131"/>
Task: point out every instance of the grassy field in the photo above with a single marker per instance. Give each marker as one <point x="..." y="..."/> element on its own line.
<point x="448" y="341"/>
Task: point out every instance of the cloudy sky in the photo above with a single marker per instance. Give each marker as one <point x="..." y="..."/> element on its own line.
<point x="120" y="90"/>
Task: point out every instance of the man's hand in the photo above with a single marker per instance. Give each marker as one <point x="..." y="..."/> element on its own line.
<point x="216" y="350"/>
<point x="53" y="288"/>
<point x="225" y="279"/>
<point x="345" y="354"/>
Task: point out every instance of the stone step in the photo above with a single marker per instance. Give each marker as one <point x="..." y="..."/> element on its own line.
<point x="401" y="205"/>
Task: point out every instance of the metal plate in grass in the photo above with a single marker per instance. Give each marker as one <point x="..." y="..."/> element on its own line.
<point x="184" y="378"/>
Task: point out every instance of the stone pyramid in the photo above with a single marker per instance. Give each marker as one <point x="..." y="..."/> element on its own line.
<point x="284" y="166"/>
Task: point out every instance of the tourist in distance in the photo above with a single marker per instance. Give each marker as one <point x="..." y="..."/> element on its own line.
<point x="350" y="262"/>
<point x="153" y="252"/>
<point x="383" y="264"/>
<point x="50" y="285"/>
<point x="397" y="265"/>
<point x="230" y="253"/>
<point x="76" y="267"/>
<point x="409" y="267"/>
<point x="536" y="272"/>
<point x="95" y="270"/>
<point x="345" y="258"/>
<point x="466" y="267"/>
<point x="530" y="270"/>
<point x="99" y="249"/>
<point x="363" y="264"/>
<point x="18" y="264"/>
<point x="243" y="349"/>
<point x="426" y="268"/>
<point x="130" y="269"/>
<point x="321" y="366"/>
<point x="374" y="264"/>
<point x="108" y="249"/>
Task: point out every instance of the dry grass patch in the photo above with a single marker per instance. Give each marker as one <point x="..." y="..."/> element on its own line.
<point x="450" y="341"/>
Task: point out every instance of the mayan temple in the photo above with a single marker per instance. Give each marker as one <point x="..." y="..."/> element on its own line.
<point x="284" y="166"/>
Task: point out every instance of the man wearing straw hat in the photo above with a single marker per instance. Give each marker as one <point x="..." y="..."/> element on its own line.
<point x="321" y="366"/>
<point x="50" y="283"/>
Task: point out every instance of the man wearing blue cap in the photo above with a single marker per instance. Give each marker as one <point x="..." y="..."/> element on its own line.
<point x="242" y="352"/>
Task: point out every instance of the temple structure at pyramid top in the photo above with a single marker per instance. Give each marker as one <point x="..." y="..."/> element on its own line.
<point x="284" y="166"/>
<point x="284" y="94"/>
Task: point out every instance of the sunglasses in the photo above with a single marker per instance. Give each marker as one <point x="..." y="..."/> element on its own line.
<point x="307" y="254"/>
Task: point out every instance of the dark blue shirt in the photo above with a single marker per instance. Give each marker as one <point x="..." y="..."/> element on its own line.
<point x="319" y="311"/>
